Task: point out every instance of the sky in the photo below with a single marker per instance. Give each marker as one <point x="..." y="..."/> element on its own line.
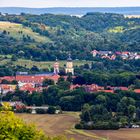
<point x="68" y="3"/>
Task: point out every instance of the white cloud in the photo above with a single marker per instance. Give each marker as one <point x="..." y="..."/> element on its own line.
<point x="69" y="3"/>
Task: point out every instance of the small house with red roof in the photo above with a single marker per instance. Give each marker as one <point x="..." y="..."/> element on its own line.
<point x="5" y="88"/>
<point x="137" y="91"/>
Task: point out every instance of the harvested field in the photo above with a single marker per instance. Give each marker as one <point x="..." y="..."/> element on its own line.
<point x="63" y="124"/>
<point x="122" y="134"/>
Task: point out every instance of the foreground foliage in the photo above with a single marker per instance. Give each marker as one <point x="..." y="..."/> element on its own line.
<point x="13" y="128"/>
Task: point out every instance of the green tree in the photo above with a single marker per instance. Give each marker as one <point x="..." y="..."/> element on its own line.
<point x="14" y="58"/>
<point x="47" y="82"/>
<point x="13" y="128"/>
<point x="131" y="111"/>
<point x="86" y="115"/>
<point x="65" y="85"/>
<point x="51" y="110"/>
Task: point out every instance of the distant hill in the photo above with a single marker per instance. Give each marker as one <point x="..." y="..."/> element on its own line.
<point x="71" y="11"/>
<point x="47" y="36"/>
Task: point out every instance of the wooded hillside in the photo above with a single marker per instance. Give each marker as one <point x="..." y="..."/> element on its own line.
<point x="47" y="36"/>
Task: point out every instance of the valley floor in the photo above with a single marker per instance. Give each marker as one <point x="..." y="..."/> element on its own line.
<point x="63" y="124"/>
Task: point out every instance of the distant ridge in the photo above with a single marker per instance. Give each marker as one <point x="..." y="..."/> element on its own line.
<point x="71" y="11"/>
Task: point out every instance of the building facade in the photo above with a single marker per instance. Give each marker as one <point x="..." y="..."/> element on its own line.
<point x="69" y="66"/>
<point x="56" y="67"/>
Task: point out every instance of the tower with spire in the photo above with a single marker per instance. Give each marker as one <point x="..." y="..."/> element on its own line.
<point x="69" y="65"/>
<point x="56" y="67"/>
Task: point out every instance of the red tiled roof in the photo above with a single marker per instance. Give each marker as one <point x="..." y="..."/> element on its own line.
<point x="8" y="78"/>
<point x="30" y="79"/>
<point x="118" y="53"/>
<point x="94" y="51"/>
<point x="8" y="87"/>
<point x="36" y="79"/>
<point x="137" y="91"/>
<point x="107" y="91"/>
<point x="30" y="89"/>
<point x="123" y="88"/>
<point x="74" y="86"/>
<point x="125" y="52"/>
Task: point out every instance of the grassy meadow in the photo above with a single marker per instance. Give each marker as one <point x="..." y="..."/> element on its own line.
<point x="39" y="64"/>
<point x="15" y="30"/>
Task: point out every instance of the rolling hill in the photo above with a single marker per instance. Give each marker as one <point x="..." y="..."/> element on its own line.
<point x="17" y="31"/>
<point x="47" y="36"/>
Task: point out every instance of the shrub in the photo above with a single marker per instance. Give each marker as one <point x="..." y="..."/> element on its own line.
<point x="21" y="110"/>
<point x="28" y="110"/>
<point x="13" y="128"/>
<point x="51" y="110"/>
<point x="41" y="111"/>
<point x="106" y="126"/>
<point x="79" y="126"/>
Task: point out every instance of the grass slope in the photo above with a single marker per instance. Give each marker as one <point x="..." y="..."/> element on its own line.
<point x="14" y="30"/>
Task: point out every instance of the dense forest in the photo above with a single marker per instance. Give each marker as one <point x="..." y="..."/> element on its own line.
<point x="64" y="33"/>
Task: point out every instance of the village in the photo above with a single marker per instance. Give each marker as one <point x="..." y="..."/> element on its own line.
<point x="125" y="55"/>
<point x="33" y="83"/>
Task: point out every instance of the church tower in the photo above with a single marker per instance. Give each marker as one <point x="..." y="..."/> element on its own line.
<point x="69" y="66"/>
<point x="56" y="67"/>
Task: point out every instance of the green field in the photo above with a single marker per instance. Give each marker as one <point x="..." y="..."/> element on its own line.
<point x="14" y="30"/>
<point x="40" y="64"/>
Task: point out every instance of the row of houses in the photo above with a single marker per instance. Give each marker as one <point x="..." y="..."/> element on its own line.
<point x="27" y="82"/>
<point x="30" y="87"/>
<point x="126" y="55"/>
<point x="95" y="88"/>
<point x="33" y="83"/>
<point x="35" y="79"/>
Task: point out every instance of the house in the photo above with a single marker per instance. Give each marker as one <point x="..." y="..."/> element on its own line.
<point x="118" y="53"/>
<point x="27" y="82"/>
<point x="92" y="88"/>
<point x="35" y="79"/>
<point x="113" y="57"/>
<point x="105" y="53"/>
<point x="117" y="88"/>
<point x="88" y="88"/>
<point x="5" y="88"/>
<point x="137" y="57"/>
<point x="8" y="78"/>
<point x="121" y="88"/>
<point x="137" y="91"/>
<point x="16" y="104"/>
<point x="94" y="53"/>
<point x="126" y="55"/>
<point x="107" y="91"/>
<point x="72" y="87"/>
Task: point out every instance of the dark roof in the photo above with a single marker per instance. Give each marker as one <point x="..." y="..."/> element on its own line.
<point x="69" y="58"/>
<point x="37" y="74"/>
<point x="45" y="74"/>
